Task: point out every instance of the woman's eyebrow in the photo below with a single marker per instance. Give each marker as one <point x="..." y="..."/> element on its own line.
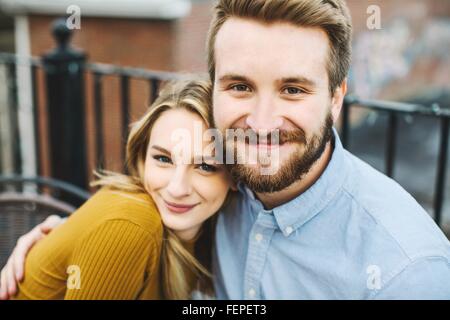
<point x="161" y="149"/>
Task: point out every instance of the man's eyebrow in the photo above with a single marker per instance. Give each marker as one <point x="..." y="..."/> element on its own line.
<point x="299" y="80"/>
<point x="235" y="77"/>
<point x="161" y="149"/>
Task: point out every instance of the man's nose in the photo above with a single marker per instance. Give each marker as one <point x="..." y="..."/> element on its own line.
<point x="179" y="185"/>
<point x="264" y="116"/>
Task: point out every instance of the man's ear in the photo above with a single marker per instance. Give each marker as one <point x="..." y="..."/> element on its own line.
<point x="233" y="186"/>
<point x="338" y="99"/>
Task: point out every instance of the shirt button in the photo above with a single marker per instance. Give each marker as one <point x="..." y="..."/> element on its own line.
<point x="251" y="293"/>
<point x="288" y="230"/>
<point x="258" y="237"/>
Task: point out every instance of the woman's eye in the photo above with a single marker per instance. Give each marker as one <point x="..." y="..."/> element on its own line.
<point x="162" y="159"/>
<point x="240" y="87"/>
<point x="207" y="167"/>
<point x="292" y="90"/>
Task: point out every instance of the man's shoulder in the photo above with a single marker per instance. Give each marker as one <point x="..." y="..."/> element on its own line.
<point x="394" y="212"/>
<point x="387" y="232"/>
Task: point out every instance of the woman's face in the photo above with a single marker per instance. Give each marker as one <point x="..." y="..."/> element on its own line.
<point x="185" y="192"/>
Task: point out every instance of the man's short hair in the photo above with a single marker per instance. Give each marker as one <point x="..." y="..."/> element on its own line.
<point x="332" y="16"/>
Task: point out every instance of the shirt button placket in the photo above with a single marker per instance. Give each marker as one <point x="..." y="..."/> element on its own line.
<point x="256" y="255"/>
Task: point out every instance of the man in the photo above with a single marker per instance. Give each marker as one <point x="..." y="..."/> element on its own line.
<point x="326" y="225"/>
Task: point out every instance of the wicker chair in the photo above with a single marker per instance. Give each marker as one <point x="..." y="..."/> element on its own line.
<point x="25" y="202"/>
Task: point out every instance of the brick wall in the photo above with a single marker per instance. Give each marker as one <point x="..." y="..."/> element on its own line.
<point x="191" y="32"/>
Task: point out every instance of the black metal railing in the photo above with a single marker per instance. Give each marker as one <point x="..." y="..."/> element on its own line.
<point x="394" y="109"/>
<point x="65" y="71"/>
<point x="99" y="71"/>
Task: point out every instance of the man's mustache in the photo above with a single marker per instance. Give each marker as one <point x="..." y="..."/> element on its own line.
<point x="280" y="137"/>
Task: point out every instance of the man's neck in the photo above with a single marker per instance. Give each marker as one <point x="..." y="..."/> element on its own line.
<point x="272" y="200"/>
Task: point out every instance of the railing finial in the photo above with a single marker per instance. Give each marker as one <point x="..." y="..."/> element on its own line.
<point x="61" y="32"/>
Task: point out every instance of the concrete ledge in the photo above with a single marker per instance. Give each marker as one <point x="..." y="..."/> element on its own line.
<point x="151" y="9"/>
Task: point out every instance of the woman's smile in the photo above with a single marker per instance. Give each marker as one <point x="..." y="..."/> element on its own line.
<point x="178" y="207"/>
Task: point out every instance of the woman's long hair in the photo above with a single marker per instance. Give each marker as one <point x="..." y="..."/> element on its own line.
<point x="176" y="260"/>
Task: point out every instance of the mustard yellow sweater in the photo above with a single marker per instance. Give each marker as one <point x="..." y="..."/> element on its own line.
<point x="108" y="249"/>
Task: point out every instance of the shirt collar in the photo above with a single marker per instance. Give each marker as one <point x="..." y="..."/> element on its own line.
<point x="298" y="211"/>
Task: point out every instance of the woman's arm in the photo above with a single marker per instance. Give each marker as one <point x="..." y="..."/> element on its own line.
<point x="12" y="272"/>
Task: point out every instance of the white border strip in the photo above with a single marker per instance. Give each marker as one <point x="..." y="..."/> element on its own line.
<point x="156" y="9"/>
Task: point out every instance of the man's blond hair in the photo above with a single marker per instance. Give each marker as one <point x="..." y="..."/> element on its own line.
<point x="332" y="16"/>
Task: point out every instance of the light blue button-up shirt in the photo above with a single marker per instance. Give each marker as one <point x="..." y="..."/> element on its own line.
<point x="354" y="234"/>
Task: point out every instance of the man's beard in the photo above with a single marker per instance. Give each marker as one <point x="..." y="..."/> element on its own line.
<point x="294" y="168"/>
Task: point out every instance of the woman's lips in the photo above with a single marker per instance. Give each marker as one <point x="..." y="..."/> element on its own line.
<point x="178" y="208"/>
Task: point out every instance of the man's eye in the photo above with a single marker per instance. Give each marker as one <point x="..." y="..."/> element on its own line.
<point x="240" y="87"/>
<point x="207" y="167"/>
<point x="162" y="159"/>
<point x="292" y="90"/>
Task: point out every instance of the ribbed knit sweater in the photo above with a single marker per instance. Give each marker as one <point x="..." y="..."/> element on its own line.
<point x="108" y="249"/>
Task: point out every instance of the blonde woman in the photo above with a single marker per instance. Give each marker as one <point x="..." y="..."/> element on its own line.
<point x="146" y="235"/>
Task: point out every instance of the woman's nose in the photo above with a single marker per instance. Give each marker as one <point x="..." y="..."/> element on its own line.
<point x="179" y="185"/>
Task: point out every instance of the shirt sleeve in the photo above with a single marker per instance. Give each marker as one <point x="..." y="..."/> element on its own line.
<point x="110" y="262"/>
<point x="425" y="279"/>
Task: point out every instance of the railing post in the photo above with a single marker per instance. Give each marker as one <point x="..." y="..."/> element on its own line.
<point x="391" y="144"/>
<point x="64" y="69"/>
<point x="441" y="170"/>
<point x="348" y="101"/>
<point x="98" y="102"/>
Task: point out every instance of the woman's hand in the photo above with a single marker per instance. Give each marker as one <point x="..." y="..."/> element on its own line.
<point x="13" y="272"/>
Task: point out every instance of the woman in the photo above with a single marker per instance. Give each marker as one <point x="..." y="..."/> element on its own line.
<point x="146" y="235"/>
